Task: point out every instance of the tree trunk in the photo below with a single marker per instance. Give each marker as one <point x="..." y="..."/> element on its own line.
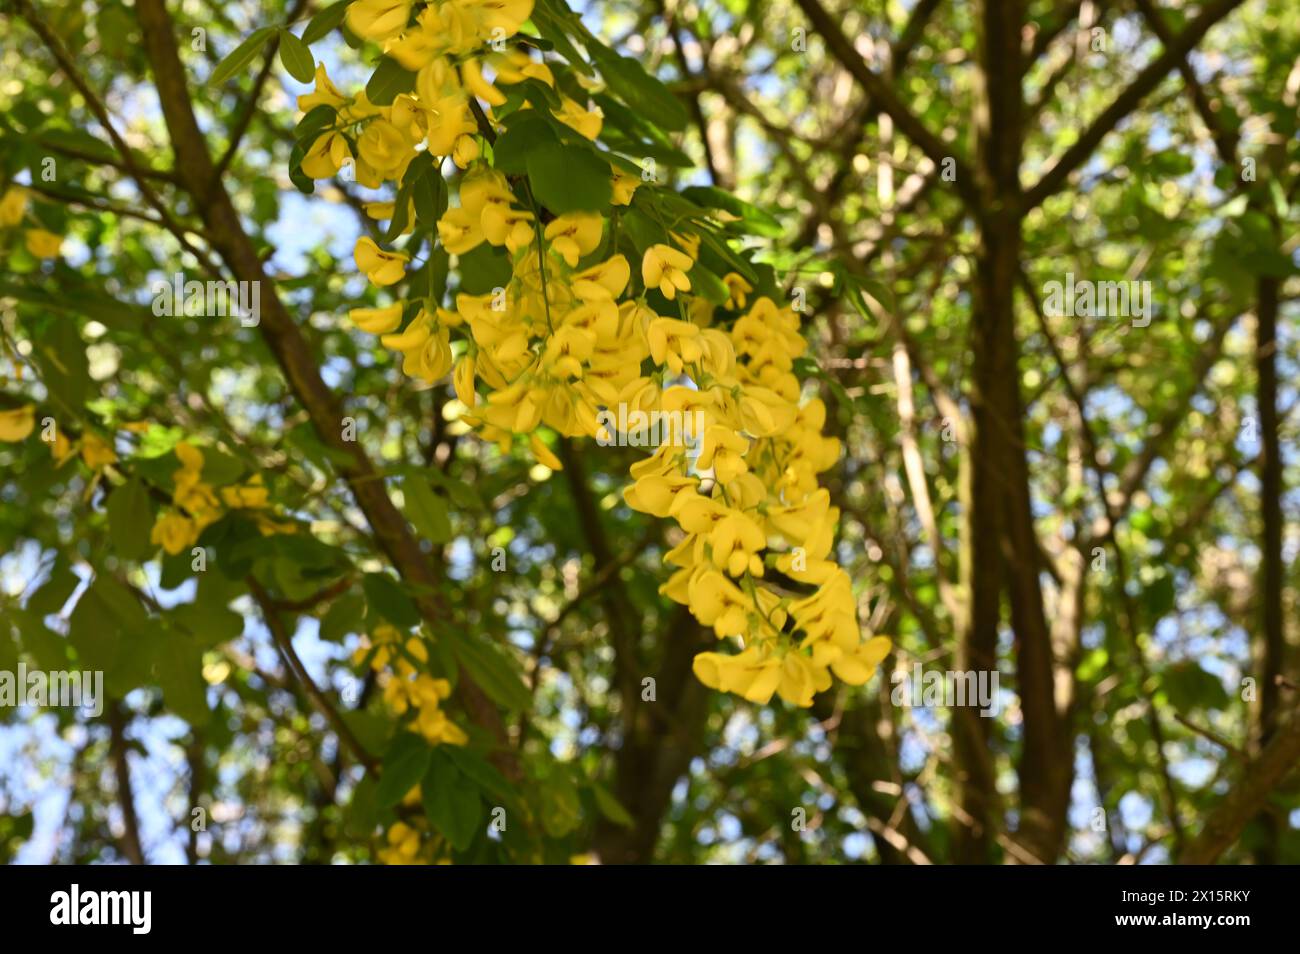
<point x="1272" y="642"/>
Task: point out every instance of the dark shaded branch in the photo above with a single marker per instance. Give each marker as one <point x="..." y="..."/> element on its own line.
<point x="284" y="643"/>
<point x="887" y="101"/>
<point x="296" y="356"/>
<point x="1127" y="101"/>
<point x="1245" y="799"/>
<point x="122" y="774"/>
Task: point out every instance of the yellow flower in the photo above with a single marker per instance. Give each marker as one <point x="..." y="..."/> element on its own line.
<point x="325" y="94"/>
<point x="62" y="449"/>
<point x="377" y="321"/>
<point x="249" y="496"/>
<point x="603" y="281"/>
<point x="688" y="241"/>
<point x="857" y="667"/>
<point x="460" y="231"/>
<point x="586" y="123"/>
<point x="622" y="185"/>
<point x="191" y="459"/>
<point x="674" y="342"/>
<point x="15" y="425"/>
<point x="738" y="288"/>
<point x="574" y="235"/>
<point x="437" y="729"/>
<point x="13" y="206"/>
<point x="655" y="493"/>
<point x="736" y="541"/>
<point x="96" y="452"/>
<point x="472" y="76"/>
<point x="426" y="348"/>
<point x="723" y="451"/>
<point x="43" y="244"/>
<point x="385" y="148"/>
<point x="403" y="845"/>
<point x="326" y="156"/>
<point x="463" y="380"/>
<point x="665" y="268"/>
<point x="543" y="453"/>
<point x="174" y="533"/>
<point x="750" y="673"/>
<point x="801" y="679"/>
<point x="448" y="115"/>
<point x="465" y="151"/>
<point x="505" y="15"/>
<point x="378" y="19"/>
<point x="381" y="267"/>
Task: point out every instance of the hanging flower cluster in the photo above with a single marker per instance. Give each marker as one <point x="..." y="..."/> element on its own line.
<point x="197" y="504"/>
<point x="406" y="688"/>
<point x="577" y="330"/>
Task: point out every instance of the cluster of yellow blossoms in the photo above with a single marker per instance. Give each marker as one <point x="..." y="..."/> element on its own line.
<point x="745" y="495"/>
<point x="96" y="453"/>
<point x="196" y="504"/>
<point x="396" y="658"/>
<point x="42" y="243"/>
<point x="570" y="336"/>
<point x="406" y="688"/>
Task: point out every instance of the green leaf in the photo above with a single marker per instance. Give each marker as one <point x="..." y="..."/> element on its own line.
<point x="179" y="669"/>
<point x="390" y="79"/>
<point x="452" y="805"/>
<point x="240" y="56"/>
<point x="61" y="355"/>
<point x="389" y="600"/>
<point x="425" y="509"/>
<point x="568" y="178"/>
<point x="756" y="220"/>
<point x="641" y="91"/>
<point x="483" y="269"/>
<point x="14" y="830"/>
<point x="705" y="282"/>
<point x="296" y="57"/>
<point x="482" y="772"/>
<point x="404" y="766"/>
<point x="325" y="21"/>
<point x="401" y="213"/>
<point x="54" y="592"/>
<point x="462" y="494"/>
<point x="109" y="630"/>
<point x="527" y="131"/>
<point x="492" y="670"/>
<point x="1188" y="687"/>
<point x="1158" y="597"/>
<point x="130" y="520"/>
<point x="343" y="617"/>
<point x="550" y="24"/>
<point x="611" y="807"/>
<point x="301" y="181"/>
<point x="560" y="807"/>
<point x="209" y="619"/>
<point x="46" y="647"/>
<point x="428" y="190"/>
<point x="310" y="126"/>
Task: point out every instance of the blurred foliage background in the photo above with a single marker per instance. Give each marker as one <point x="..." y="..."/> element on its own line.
<point x="1100" y="510"/>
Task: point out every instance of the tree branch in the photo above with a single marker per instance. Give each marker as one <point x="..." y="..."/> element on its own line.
<point x="122" y="772"/>
<point x="1244" y="801"/>
<point x="295" y="355"/>
<point x="887" y="101"/>
<point x="1127" y="101"/>
<point x="284" y="642"/>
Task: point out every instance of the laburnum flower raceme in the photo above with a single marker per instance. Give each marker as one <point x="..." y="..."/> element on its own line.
<point x="584" y="286"/>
